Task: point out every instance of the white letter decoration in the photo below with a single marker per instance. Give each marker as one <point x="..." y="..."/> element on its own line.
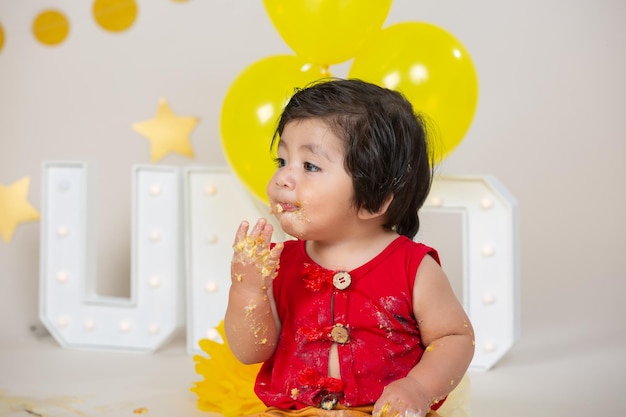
<point x="199" y="226"/>
<point x="490" y="264"/>
<point x="216" y="203"/>
<point x="70" y="308"/>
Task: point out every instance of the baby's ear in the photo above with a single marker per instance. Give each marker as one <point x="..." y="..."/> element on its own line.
<point x="365" y="214"/>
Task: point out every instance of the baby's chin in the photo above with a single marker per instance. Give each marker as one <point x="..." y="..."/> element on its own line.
<point x="291" y="224"/>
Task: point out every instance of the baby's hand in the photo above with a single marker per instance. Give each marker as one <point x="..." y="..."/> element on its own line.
<point x="402" y="398"/>
<point x="254" y="265"/>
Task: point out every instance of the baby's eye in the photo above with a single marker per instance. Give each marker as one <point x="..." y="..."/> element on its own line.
<point x="310" y="167"/>
<point x="280" y="162"/>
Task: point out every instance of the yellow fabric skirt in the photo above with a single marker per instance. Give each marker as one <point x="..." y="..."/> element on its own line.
<point x="456" y="405"/>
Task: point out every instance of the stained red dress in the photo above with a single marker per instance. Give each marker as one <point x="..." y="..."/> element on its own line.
<point x="367" y="312"/>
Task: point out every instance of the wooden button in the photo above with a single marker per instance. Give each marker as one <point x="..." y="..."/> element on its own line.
<point x="342" y="280"/>
<point x="340" y="334"/>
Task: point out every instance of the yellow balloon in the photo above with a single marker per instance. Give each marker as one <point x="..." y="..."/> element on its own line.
<point x="432" y="69"/>
<point x="327" y="32"/>
<point x="250" y="112"/>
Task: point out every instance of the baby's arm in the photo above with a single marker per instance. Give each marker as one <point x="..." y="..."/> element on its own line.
<point x="449" y="339"/>
<point x="251" y="323"/>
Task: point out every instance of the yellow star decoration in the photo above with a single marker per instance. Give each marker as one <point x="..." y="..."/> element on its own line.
<point x="167" y="132"/>
<point x="228" y="386"/>
<point x="14" y="207"/>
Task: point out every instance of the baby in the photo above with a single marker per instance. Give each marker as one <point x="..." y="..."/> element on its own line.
<point x="352" y="316"/>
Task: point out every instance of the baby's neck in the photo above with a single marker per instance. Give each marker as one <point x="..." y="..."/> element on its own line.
<point x="348" y="254"/>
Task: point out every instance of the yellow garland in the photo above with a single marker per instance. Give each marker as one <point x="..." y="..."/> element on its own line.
<point x="228" y="385"/>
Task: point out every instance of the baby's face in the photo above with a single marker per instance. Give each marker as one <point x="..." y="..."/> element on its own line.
<point x="311" y="192"/>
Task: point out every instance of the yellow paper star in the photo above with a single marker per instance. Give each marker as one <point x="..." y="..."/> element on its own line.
<point x="14" y="207"/>
<point x="167" y="132"/>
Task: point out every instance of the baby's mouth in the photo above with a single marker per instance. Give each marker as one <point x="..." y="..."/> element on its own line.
<point x="293" y="211"/>
<point x="285" y="207"/>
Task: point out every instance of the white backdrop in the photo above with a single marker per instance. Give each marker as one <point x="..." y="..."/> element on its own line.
<point x="549" y="125"/>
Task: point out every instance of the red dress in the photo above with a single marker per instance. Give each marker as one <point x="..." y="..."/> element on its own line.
<point x="371" y="320"/>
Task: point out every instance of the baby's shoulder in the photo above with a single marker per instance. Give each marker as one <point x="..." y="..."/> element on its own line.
<point x="407" y="248"/>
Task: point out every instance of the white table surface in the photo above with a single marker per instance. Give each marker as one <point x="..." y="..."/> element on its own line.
<point x="568" y="374"/>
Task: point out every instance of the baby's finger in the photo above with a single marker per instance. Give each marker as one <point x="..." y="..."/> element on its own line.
<point x="394" y="411"/>
<point x="258" y="227"/>
<point x="266" y="232"/>
<point x="380" y="410"/>
<point x="242" y="231"/>
<point x="276" y="251"/>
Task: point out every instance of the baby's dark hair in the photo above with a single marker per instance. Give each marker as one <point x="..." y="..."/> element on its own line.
<point x="386" y="149"/>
